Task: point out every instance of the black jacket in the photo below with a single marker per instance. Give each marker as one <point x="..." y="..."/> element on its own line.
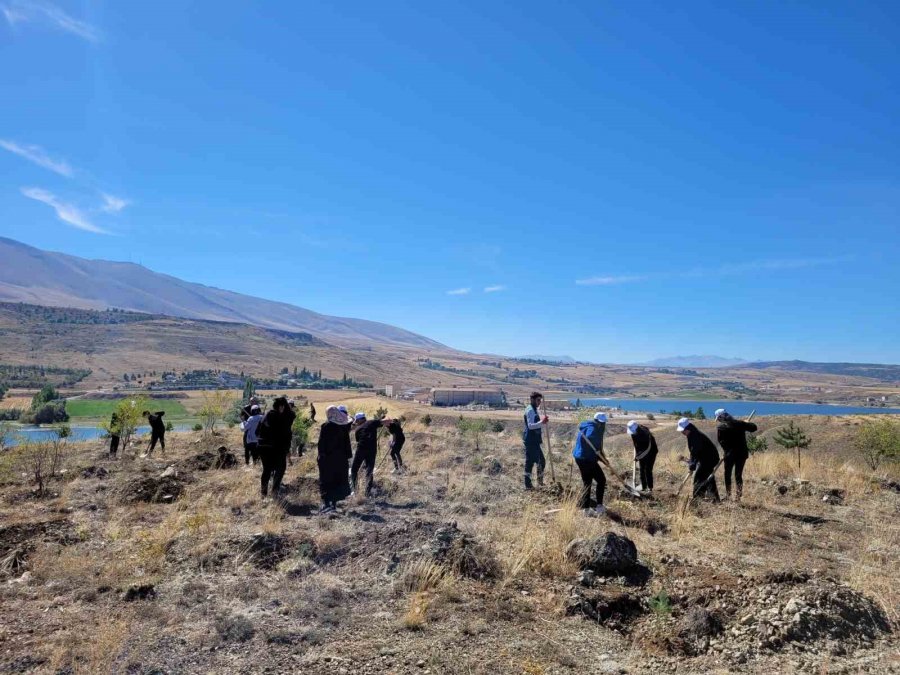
<point x="641" y="440"/>
<point x="334" y="443"/>
<point x="274" y="431"/>
<point x="156" y="423"/>
<point x="732" y="435"/>
<point x="702" y="449"/>
<point x="397" y="431"/>
<point x="367" y="435"/>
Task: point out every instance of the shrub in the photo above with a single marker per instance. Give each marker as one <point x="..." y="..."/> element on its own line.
<point x="474" y="427"/>
<point x="215" y="405"/>
<point x="757" y="444"/>
<point x="197" y="427"/>
<point x="426" y="420"/>
<point x="169" y="426"/>
<point x="651" y="416"/>
<point x="300" y="431"/>
<point x="45" y="395"/>
<point x="47" y="413"/>
<point x="497" y="426"/>
<point x="10" y="414"/>
<point x="878" y="441"/>
<point x="661" y="604"/>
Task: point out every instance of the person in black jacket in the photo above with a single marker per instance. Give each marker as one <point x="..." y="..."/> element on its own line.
<point x="334" y="458"/>
<point x="366" y="448"/>
<point x="274" y="434"/>
<point x="704" y="459"/>
<point x="732" y="436"/>
<point x="114" y="431"/>
<point x="157" y="430"/>
<point x="398" y="438"/>
<point x="645" y="451"/>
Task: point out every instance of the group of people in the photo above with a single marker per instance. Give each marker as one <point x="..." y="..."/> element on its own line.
<point x="267" y="439"/>
<point x="589" y="456"/>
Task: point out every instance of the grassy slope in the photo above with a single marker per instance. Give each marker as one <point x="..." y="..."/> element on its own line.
<point x="102" y="409"/>
<point x="352" y="592"/>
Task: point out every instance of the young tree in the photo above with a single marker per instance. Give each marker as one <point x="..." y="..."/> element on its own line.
<point x="249" y="390"/>
<point x="475" y="427"/>
<point x="757" y="444"/>
<point x="45" y="395"/>
<point x="215" y="404"/>
<point x="879" y="441"/>
<point x="793" y="436"/>
<point x="128" y="419"/>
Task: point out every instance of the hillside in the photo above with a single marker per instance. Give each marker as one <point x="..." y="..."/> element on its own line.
<point x="696" y="361"/>
<point x="34" y="276"/>
<point x="878" y="371"/>
<point x="167" y="564"/>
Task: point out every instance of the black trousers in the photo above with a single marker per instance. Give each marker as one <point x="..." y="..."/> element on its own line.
<point x="364" y="456"/>
<point x="590" y="473"/>
<point x="396" y="447"/>
<point x="735" y="464"/>
<point x="251" y="452"/>
<point x="646" y="470"/>
<point x="534" y="456"/>
<point x="703" y="486"/>
<point x="157" y="436"/>
<point x="113" y="444"/>
<point x="274" y="461"/>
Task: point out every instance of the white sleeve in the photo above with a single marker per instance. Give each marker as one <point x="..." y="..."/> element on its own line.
<point x="534" y="420"/>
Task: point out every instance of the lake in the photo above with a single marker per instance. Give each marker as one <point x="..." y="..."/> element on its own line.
<point x="47" y="433"/>
<point x="736" y="408"/>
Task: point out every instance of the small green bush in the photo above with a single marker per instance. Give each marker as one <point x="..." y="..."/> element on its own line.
<point x="497" y="426"/>
<point x="661" y="604"/>
<point x="426" y="420"/>
<point x="197" y="427"/>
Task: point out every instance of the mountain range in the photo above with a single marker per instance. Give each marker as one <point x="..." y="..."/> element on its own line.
<point x="696" y="361"/>
<point x="31" y="275"/>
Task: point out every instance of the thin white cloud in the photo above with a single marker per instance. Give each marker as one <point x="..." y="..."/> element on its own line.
<point x="24" y="11"/>
<point x="459" y="291"/>
<point x="112" y="204"/>
<point x="65" y="212"/>
<point x="751" y="267"/>
<point x="36" y="155"/>
<point x="494" y="289"/>
<point x="609" y="281"/>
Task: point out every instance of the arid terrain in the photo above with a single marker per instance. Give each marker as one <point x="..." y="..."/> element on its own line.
<point x="170" y="565"/>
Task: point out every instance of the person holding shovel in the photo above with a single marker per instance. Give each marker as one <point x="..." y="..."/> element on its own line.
<point x="587" y="453"/>
<point x="732" y="436"/>
<point x="532" y="438"/>
<point x="645" y="451"/>
<point x="704" y="459"/>
<point x="366" y="448"/>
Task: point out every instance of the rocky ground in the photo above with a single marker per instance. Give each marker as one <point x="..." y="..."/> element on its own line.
<point x="174" y="565"/>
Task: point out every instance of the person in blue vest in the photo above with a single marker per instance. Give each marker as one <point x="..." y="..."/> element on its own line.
<point x="587" y="452"/>
<point x="532" y="437"/>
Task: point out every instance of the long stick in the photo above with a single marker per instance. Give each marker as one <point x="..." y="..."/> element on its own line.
<point x="602" y="459"/>
<point x="549" y="445"/>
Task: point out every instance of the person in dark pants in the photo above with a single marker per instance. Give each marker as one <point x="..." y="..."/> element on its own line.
<point x="274" y="437"/>
<point x="532" y="439"/>
<point x="704" y="459"/>
<point x="398" y="438"/>
<point x="114" y="431"/>
<point x="645" y="451"/>
<point x="732" y="436"/>
<point x="587" y="452"/>
<point x="251" y="441"/>
<point x="334" y="458"/>
<point x="366" y="448"/>
<point x="157" y="430"/>
<point x="312" y="412"/>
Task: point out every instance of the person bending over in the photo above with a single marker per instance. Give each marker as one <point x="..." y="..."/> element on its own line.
<point x="587" y="453"/>
<point x="645" y="451"/>
<point x="704" y="459"/>
<point x="732" y="436"/>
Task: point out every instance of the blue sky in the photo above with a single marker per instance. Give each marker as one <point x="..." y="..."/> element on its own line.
<point x="614" y="181"/>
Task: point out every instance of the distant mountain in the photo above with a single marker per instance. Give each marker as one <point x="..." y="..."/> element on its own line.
<point x="878" y="371"/>
<point x="30" y="275"/>
<point x="549" y="359"/>
<point x="695" y="362"/>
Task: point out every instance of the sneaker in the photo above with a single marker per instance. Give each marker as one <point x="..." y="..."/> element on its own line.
<point x="600" y="510"/>
<point x="590" y="513"/>
<point x="395" y="471"/>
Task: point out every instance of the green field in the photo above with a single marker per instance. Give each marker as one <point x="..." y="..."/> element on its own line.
<point x="102" y="409"/>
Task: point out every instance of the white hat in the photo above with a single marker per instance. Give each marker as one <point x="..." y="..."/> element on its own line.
<point x="359" y="416"/>
<point x="254" y="407"/>
<point x="600" y="417"/>
<point x="720" y="412"/>
<point x="683" y="423"/>
<point x="632" y="427"/>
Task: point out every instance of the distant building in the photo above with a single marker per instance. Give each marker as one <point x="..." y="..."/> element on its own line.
<point x="389" y="390"/>
<point x="448" y="397"/>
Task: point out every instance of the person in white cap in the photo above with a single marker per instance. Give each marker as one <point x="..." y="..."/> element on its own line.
<point x="366" y="448"/>
<point x="732" y="436"/>
<point x="587" y="452"/>
<point x="704" y="459"/>
<point x="645" y="451"/>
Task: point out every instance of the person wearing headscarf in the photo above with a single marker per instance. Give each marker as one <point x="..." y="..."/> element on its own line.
<point x="645" y="451"/>
<point x="334" y="458"/>
<point x="366" y="433"/>
<point x="274" y="434"/>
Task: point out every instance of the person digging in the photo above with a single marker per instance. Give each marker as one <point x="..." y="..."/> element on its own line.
<point x="274" y="435"/>
<point x="732" y="436"/>
<point x="532" y="439"/>
<point x="366" y="434"/>
<point x="645" y="452"/>
<point x="588" y="446"/>
<point x="157" y="430"/>
<point x="704" y="459"/>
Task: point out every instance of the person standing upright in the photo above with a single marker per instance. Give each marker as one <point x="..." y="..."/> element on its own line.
<point x="334" y="458"/>
<point x="732" y="436"/>
<point x="366" y="448"/>
<point x="157" y="430"/>
<point x="533" y="438"/>
<point x="704" y="459"/>
<point x="274" y="437"/>
<point x="398" y="438"/>
<point x="645" y="451"/>
<point x="114" y="431"/>
<point x="251" y="440"/>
